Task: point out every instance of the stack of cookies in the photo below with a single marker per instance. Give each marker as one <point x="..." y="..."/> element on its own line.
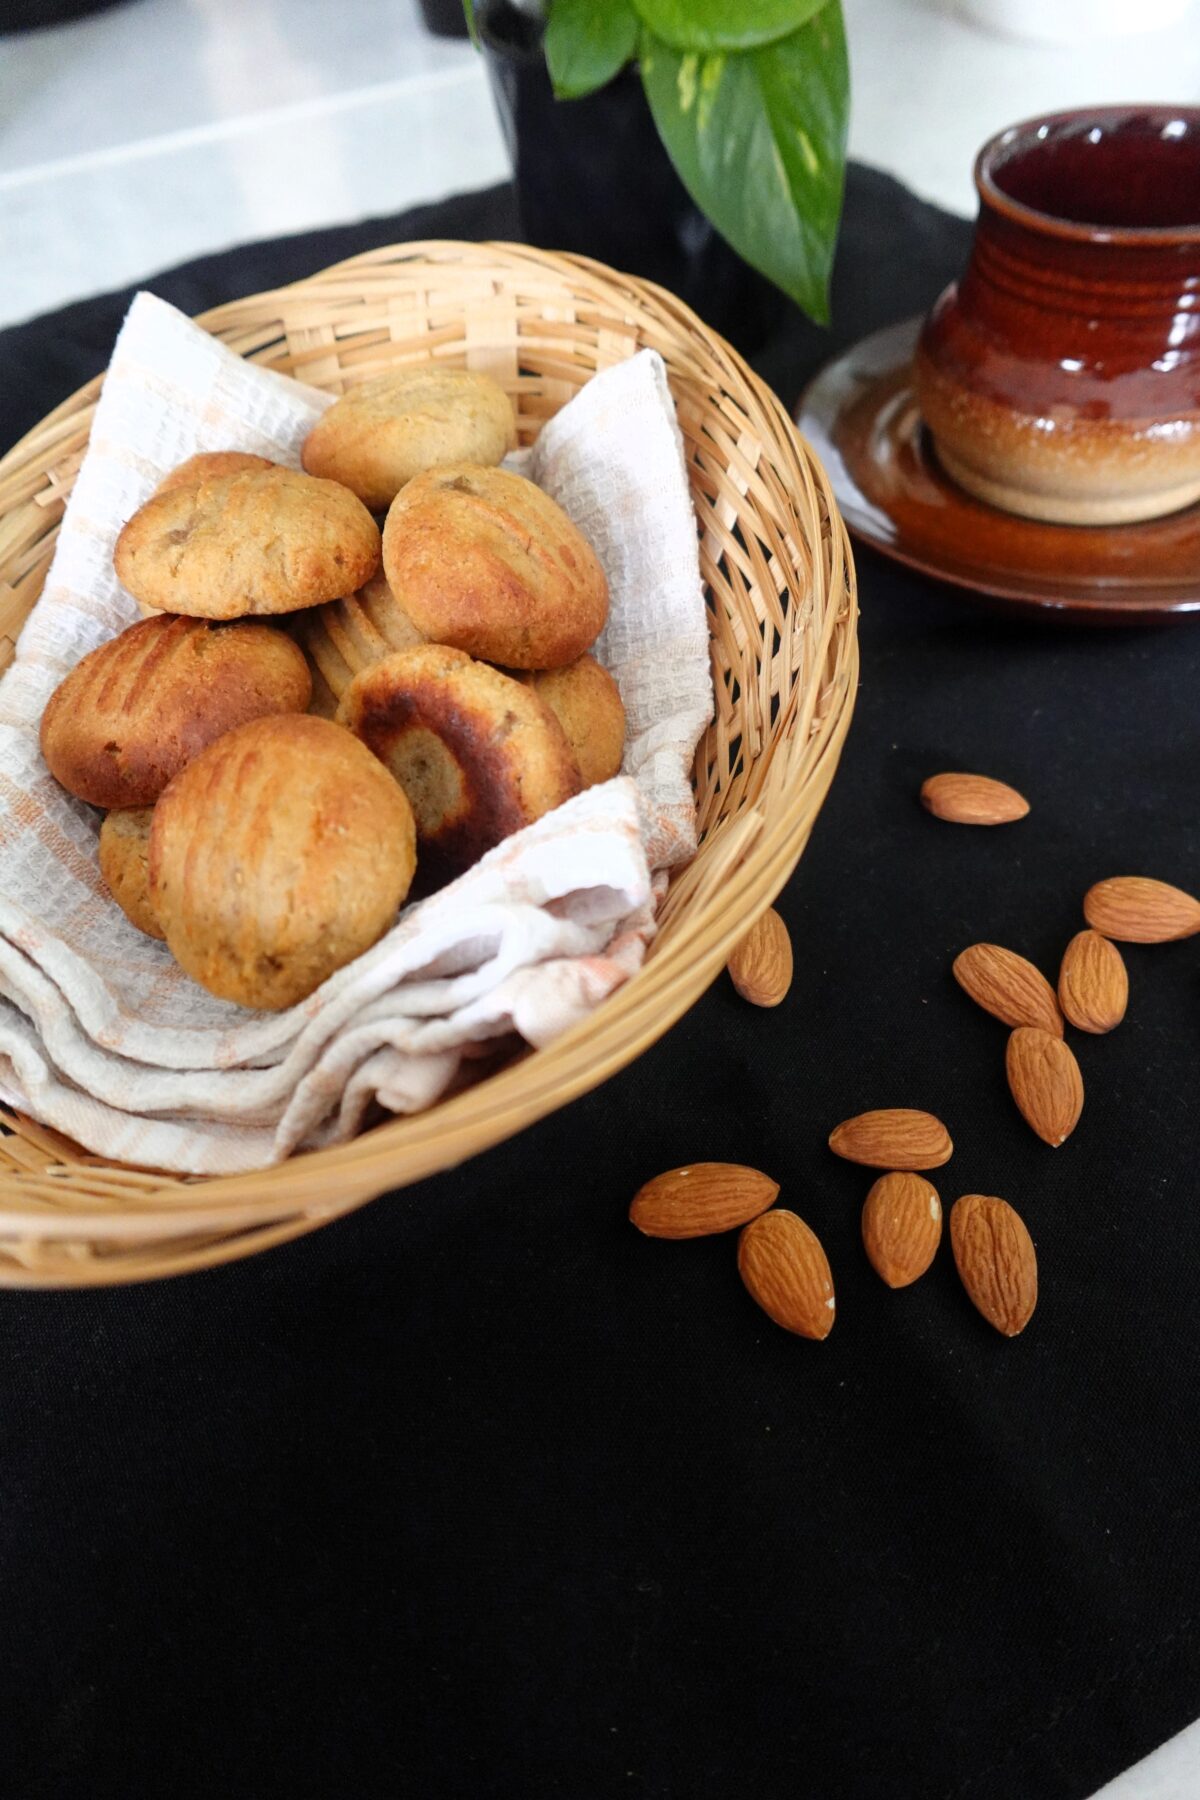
<point x="270" y="793"/>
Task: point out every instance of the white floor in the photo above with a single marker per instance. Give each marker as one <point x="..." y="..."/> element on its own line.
<point x="167" y="128"/>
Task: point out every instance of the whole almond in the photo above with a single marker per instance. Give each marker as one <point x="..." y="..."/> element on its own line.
<point x="996" y="1261"/>
<point x="1008" y="987"/>
<point x="901" y="1227"/>
<point x="1045" y="1082"/>
<point x="761" y="965"/>
<point x="701" y="1199"/>
<point x="1138" y="910"/>
<point x="896" y="1137"/>
<point x="786" y="1271"/>
<point x="972" y="800"/>
<point x="1093" y="987"/>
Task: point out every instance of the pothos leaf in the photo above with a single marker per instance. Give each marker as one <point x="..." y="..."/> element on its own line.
<point x="587" y="42"/>
<point x="759" y="141"/>
<point x="720" y="25"/>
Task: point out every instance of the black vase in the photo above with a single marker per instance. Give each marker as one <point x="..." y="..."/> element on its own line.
<point x="592" y="176"/>
<point x="444" y="18"/>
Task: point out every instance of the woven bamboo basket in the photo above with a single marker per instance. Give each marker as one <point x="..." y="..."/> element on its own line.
<point x="781" y="606"/>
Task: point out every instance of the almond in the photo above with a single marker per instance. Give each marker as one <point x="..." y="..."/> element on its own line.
<point x="785" y="1270"/>
<point x="1045" y="1082"/>
<point x="1008" y="986"/>
<point x="1093" y="987"/>
<point x="1137" y="910"/>
<point x="701" y="1199"/>
<point x="894" y="1138"/>
<point x="972" y="800"/>
<point x="761" y="965"/>
<point x="996" y="1261"/>
<point x="901" y="1227"/>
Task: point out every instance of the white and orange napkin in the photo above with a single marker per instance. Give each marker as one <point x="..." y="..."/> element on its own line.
<point x="102" y="1035"/>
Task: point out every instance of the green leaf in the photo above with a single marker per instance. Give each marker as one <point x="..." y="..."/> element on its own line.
<point x="759" y="141"/>
<point x="723" y="24"/>
<point x="587" y="42"/>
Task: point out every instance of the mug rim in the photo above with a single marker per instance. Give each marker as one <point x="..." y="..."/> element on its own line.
<point x="994" y="198"/>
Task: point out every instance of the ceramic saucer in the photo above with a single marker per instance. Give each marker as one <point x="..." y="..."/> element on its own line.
<point x="860" y="416"/>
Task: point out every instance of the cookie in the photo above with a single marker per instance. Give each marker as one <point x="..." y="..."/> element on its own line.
<point x="347" y="636"/>
<point x="478" y="754"/>
<point x="257" y="542"/>
<point x="278" y="856"/>
<point x="586" y="701"/>
<point x="124" y="853"/>
<point x="139" y="707"/>
<point x="394" y="426"/>
<point x="486" y="562"/>
<point x="210" y="465"/>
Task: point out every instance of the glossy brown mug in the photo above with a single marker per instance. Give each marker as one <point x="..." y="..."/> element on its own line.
<point x="1060" y="378"/>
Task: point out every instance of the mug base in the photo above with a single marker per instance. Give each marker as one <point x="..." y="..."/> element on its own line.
<point x="1067" y="509"/>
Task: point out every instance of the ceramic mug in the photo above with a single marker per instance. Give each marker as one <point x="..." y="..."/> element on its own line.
<point x="1060" y="378"/>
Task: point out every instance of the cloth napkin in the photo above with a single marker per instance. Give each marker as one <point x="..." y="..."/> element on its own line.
<point x="102" y="1035"/>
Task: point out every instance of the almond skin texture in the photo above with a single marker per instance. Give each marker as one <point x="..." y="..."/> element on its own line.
<point x="701" y="1199"/>
<point x="894" y="1138"/>
<point x="1137" y="910"/>
<point x="1045" y="1082"/>
<point x="761" y="965"/>
<point x="901" y="1227"/>
<point x="1093" y="987"/>
<point x="972" y="800"/>
<point x="1008" y="987"/>
<point x="786" y="1271"/>
<point x="996" y="1260"/>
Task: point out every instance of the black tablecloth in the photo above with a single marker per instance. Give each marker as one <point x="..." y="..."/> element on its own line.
<point x="479" y="1493"/>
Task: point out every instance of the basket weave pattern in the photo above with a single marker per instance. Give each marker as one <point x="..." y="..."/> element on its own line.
<point x="780" y="588"/>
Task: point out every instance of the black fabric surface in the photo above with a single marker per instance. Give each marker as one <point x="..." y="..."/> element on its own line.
<point x="478" y="1493"/>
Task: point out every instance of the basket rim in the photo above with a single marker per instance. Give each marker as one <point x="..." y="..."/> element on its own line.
<point x="764" y="842"/>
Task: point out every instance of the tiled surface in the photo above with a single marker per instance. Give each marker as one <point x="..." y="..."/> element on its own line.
<point x="929" y="87"/>
<point x="113" y="216"/>
<point x="167" y="128"/>
<point x="150" y="68"/>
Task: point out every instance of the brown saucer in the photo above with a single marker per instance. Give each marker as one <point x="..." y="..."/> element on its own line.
<point x="860" y="416"/>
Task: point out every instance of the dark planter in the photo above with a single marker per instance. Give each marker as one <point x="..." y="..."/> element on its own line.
<point x="592" y="177"/>
<point x="444" y="18"/>
<point x="32" y="15"/>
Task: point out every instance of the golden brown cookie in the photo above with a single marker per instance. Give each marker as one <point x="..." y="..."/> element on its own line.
<point x="586" y="701"/>
<point x="485" y="561"/>
<point x="211" y="465"/>
<point x="124" y="853"/>
<point x="390" y="428"/>
<point x="259" y="542"/>
<point x="278" y="856"/>
<point x="478" y="754"/>
<point x="347" y="636"/>
<point x="139" y="707"/>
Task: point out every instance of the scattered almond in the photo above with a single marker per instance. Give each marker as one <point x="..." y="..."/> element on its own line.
<point x="901" y="1227"/>
<point x="701" y="1199"/>
<point x="786" y="1271"/>
<point x="996" y="1261"/>
<point x="1093" y="987"/>
<point x="896" y="1137"/>
<point x="1045" y="1082"/>
<point x="972" y="800"/>
<point x="1137" y="910"/>
<point x="761" y="965"/>
<point x="1008" y="986"/>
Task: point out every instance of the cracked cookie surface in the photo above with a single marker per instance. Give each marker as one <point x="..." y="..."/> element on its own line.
<point x="256" y="542"/>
